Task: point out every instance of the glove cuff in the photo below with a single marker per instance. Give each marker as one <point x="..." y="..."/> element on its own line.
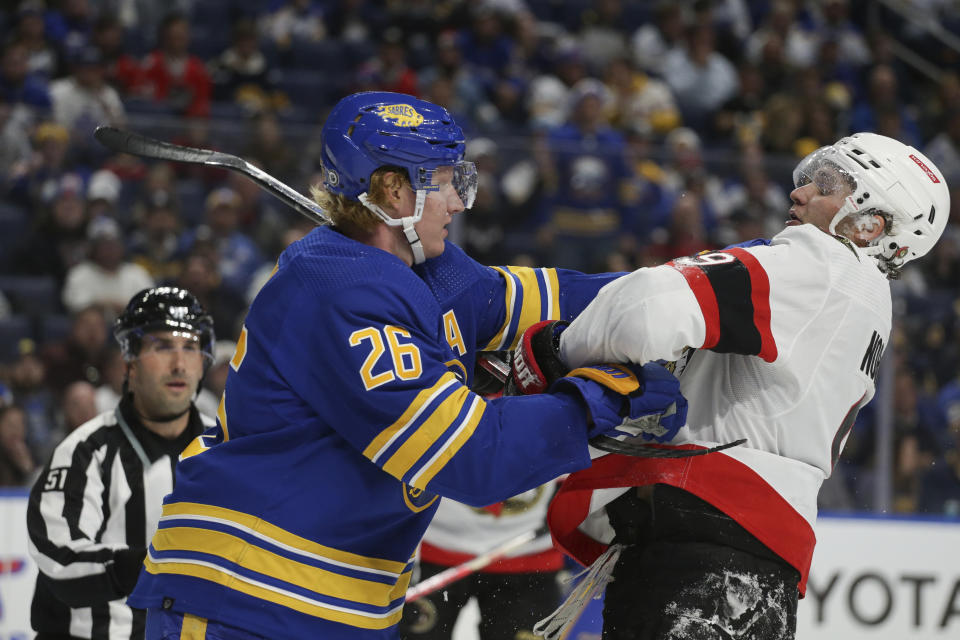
<point x="536" y="361"/>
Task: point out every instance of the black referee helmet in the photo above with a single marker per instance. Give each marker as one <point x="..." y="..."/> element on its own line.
<point x="163" y="309"/>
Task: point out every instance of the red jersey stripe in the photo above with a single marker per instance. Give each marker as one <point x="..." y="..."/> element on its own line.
<point x="700" y="285"/>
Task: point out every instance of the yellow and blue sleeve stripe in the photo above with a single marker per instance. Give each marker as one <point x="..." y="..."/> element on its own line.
<point x="531" y="295"/>
<point x="429" y="432"/>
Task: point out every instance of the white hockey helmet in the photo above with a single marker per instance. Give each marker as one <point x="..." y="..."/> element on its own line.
<point x="887" y="177"/>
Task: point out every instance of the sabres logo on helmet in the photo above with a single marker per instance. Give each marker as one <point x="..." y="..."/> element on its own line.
<point x="402" y="115"/>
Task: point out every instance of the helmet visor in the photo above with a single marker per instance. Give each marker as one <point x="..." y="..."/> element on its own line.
<point x="827" y="168"/>
<point x="462" y="175"/>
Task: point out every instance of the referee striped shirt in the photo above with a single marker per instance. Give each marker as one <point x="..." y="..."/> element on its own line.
<point x="91" y="515"/>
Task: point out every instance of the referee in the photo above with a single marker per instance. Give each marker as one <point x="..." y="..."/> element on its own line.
<point x="95" y="506"/>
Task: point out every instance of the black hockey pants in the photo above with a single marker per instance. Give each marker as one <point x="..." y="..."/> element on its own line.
<point x="690" y="572"/>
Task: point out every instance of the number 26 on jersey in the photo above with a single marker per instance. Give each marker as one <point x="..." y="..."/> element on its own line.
<point x="404" y="357"/>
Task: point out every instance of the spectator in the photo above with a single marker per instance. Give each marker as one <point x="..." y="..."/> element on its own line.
<point x="685" y="170"/>
<point x="155" y="243"/>
<point x="103" y="191"/>
<point x="548" y="97"/>
<point x="268" y="149"/>
<point x="79" y="355"/>
<point x="79" y="405"/>
<point x="106" y="278"/>
<point x="114" y="371"/>
<point x="16" y="122"/>
<point x="293" y="22"/>
<point x="883" y="101"/>
<point x="944" y="148"/>
<point x="467" y="81"/>
<point x="601" y="33"/>
<point x="585" y="216"/>
<point x="832" y="23"/>
<point x="799" y="44"/>
<point x="17" y="84"/>
<point x="653" y="41"/>
<point x="485" y="43"/>
<point x="70" y="25"/>
<point x="739" y="121"/>
<point x="42" y="57"/>
<point x="388" y="69"/>
<point x="237" y="256"/>
<point x="83" y="101"/>
<point x="58" y="241"/>
<point x="122" y="70"/>
<point x="242" y="75"/>
<point x="685" y="234"/>
<point x="27" y="379"/>
<point x="175" y="77"/>
<point x="484" y="231"/>
<point x="16" y="461"/>
<point x="701" y="78"/>
<point x="753" y="194"/>
<point x="201" y="274"/>
<point x="639" y="100"/>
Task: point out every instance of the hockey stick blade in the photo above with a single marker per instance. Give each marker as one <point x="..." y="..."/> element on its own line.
<point x="139" y="145"/>
<point x="612" y="445"/>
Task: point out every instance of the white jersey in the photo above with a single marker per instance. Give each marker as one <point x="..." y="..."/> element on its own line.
<point x="787" y="340"/>
<point x="459" y="532"/>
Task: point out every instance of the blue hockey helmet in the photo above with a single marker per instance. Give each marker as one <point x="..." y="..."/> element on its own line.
<point x="369" y="130"/>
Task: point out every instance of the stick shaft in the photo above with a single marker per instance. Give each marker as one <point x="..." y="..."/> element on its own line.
<point x="448" y="576"/>
<point x="139" y="145"/>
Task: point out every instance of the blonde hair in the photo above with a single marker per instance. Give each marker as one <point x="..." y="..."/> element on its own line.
<point x="349" y="215"/>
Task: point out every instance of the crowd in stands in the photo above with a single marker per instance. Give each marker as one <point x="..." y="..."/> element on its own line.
<point x="609" y="134"/>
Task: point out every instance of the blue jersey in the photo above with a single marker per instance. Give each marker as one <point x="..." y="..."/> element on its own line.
<point x="347" y="413"/>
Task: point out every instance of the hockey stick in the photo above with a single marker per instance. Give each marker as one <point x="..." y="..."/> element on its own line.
<point x="448" y="576"/>
<point x="638" y="450"/>
<point x="139" y="145"/>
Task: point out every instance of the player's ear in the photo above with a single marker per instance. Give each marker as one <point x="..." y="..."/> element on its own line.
<point x="392" y="185"/>
<point x="863" y="229"/>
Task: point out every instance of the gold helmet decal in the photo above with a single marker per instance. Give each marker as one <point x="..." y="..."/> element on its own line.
<point x="402" y="115"/>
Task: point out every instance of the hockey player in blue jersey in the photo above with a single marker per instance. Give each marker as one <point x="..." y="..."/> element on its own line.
<point x="347" y="411"/>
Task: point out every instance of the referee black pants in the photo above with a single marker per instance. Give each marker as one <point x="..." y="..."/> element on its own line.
<point x="689" y="572"/>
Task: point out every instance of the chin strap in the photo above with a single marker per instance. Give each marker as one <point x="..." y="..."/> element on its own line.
<point x="407" y="222"/>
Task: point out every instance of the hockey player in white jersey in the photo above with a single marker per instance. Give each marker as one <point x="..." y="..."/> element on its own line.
<point x="777" y="342"/>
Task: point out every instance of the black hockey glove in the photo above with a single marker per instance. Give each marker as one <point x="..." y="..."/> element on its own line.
<point x="536" y="359"/>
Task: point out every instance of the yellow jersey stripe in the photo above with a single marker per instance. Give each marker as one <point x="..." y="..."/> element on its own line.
<point x="196" y="446"/>
<point x="552" y="294"/>
<point x="530" y="306"/>
<point x="241" y="351"/>
<point x="427" y="433"/>
<point x="193" y="627"/>
<point x="388" y="436"/>
<point x="497" y="343"/>
<point x="241" y="552"/>
<point x="280" y="537"/>
<point x="457" y="440"/>
<point x="270" y="593"/>
<point x="222" y="415"/>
